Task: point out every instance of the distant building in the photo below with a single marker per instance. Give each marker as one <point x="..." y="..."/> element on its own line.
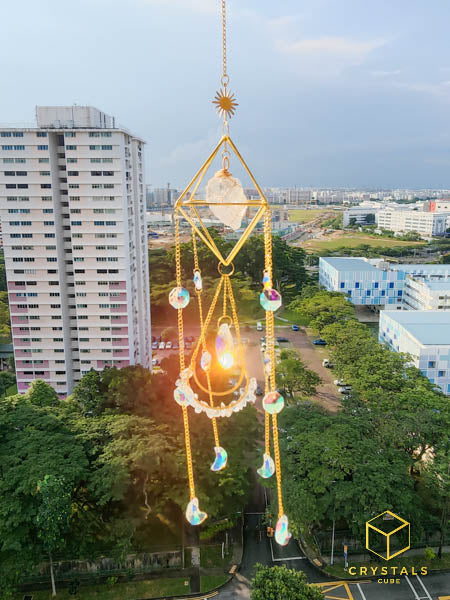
<point x="373" y="282"/>
<point x="360" y="216"/>
<point x="159" y="197"/>
<point x="423" y="294"/>
<point x="75" y="242"/>
<point x="425" y="335"/>
<point x="426" y="224"/>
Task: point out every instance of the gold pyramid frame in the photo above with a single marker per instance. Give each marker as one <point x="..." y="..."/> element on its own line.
<point x="188" y="201"/>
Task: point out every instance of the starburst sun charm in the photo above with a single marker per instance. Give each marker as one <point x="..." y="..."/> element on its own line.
<point x="225" y="103"/>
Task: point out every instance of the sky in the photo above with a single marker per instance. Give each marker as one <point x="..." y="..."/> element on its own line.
<point x="332" y="93"/>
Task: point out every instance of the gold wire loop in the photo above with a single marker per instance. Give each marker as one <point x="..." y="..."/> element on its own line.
<point x="221" y="265"/>
<point x="222" y="318"/>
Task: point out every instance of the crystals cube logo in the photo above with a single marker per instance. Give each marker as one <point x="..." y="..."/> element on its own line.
<point x="389" y="534"/>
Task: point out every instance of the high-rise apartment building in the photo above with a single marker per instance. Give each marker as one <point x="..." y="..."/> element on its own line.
<point x="72" y="203"/>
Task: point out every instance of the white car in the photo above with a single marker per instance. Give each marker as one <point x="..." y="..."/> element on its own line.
<point x="168" y="345"/>
<point x="259" y="326"/>
<point x="162" y="345"/>
<point x="339" y="382"/>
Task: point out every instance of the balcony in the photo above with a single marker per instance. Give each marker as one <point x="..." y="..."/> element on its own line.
<point x="120" y="342"/>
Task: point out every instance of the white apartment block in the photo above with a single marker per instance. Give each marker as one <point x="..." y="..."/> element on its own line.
<point x="72" y="206"/>
<point x="427" y="224"/>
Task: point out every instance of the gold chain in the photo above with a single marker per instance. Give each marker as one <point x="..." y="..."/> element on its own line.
<point x="270" y="341"/>
<point x="224" y="43"/>
<point x="203" y="339"/>
<point x="187" y="435"/>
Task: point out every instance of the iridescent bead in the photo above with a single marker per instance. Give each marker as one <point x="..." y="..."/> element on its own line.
<point x="193" y="514"/>
<point x="268" y="468"/>
<point x="220" y="462"/>
<point x="270" y="300"/>
<point x="205" y="361"/>
<point x="198" y="280"/>
<point x="266" y="281"/>
<point x="179" y="297"/>
<point x="273" y="403"/>
<point x="282" y="535"/>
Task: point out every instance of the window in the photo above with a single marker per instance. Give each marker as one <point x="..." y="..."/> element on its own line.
<point x="342" y="285"/>
<point x="44" y="160"/>
<point x="71" y="147"/>
<point x="70" y="134"/>
<point x="107" y="147"/>
<point x="431" y="364"/>
<point x="44" y="173"/>
<point x="49" y="223"/>
<point x="5" y="134"/>
<point x="47" y="211"/>
<point x="74" y="186"/>
<point x="76" y="223"/>
<point x="99" y="222"/>
<point x="96" y="160"/>
<point x="391" y="285"/>
<point x="441" y="373"/>
<point x="46" y="186"/>
<point x="108" y="173"/>
<point x="73" y="173"/>
<point x="42" y="147"/>
<point x="41" y="134"/>
<point x="96" y="173"/>
<point x="111" y="222"/>
<point x="94" y="147"/>
<point x="356" y="284"/>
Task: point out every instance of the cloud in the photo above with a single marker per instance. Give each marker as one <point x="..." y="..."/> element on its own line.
<point x="354" y="50"/>
<point x="202" y="6"/>
<point x="386" y="73"/>
<point x="196" y="150"/>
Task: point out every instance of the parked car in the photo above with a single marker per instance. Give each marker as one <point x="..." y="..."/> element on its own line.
<point x="282" y="339"/>
<point x="326" y="363"/>
<point x="345" y="389"/>
<point x="162" y="345"/>
<point x="175" y="346"/>
<point x="339" y="382"/>
<point x="319" y="342"/>
<point x="259" y="391"/>
<point x="168" y="345"/>
<point x="263" y="339"/>
<point x="155" y="346"/>
<point x="259" y="326"/>
<point x="156" y="362"/>
<point x="189" y="338"/>
<point x="295" y="328"/>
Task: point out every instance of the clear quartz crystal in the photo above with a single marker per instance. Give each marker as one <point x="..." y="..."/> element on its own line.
<point x="225" y="346"/>
<point x="205" y="361"/>
<point x="222" y="187"/>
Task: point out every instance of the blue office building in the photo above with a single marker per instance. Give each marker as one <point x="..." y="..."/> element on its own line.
<point x="374" y="282"/>
<point x="425" y="336"/>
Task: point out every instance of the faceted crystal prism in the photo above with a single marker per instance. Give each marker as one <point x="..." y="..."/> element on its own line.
<point x="282" y="535"/>
<point x="193" y="514"/>
<point x="179" y="297"/>
<point x="205" y="361"/>
<point x="221" y="459"/>
<point x="198" y="280"/>
<point x="225" y="347"/>
<point x="268" y="468"/>
<point x="270" y="300"/>
<point x="273" y="403"/>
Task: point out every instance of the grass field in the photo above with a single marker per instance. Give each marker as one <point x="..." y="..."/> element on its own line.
<point x="355" y="239"/>
<point x="209" y="582"/>
<point x="119" y="591"/>
<point x="305" y="216"/>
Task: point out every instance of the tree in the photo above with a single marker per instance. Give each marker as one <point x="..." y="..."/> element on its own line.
<point x="294" y="377"/>
<point x="169" y="333"/>
<point x="41" y="393"/>
<point x="324" y="308"/>
<point x="89" y="394"/>
<point x="53" y="516"/>
<point x="5" y="324"/>
<point x="280" y="583"/>
<point x="7" y="379"/>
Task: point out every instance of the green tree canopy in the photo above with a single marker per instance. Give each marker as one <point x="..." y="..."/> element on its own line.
<point x="280" y="583"/>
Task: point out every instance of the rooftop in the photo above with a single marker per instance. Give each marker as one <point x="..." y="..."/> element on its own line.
<point x="350" y="264"/>
<point x="434" y="285"/>
<point x="428" y="327"/>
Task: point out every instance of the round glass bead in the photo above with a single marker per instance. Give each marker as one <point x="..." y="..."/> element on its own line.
<point x="273" y="403"/>
<point x="179" y="297"/>
<point x="270" y="299"/>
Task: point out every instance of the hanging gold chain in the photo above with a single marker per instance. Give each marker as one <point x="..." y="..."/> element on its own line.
<point x="224" y="43"/>
<point x="203" y="339"/>
<point x="187" y="435"/>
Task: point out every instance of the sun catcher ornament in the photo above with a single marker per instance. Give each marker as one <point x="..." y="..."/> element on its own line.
<point x="216" y="381"/>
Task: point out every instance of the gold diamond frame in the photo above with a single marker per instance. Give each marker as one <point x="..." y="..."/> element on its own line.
<point x="191" y="203"/>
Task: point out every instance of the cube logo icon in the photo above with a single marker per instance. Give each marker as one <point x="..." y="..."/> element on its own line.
<point x="388" y="535"/>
